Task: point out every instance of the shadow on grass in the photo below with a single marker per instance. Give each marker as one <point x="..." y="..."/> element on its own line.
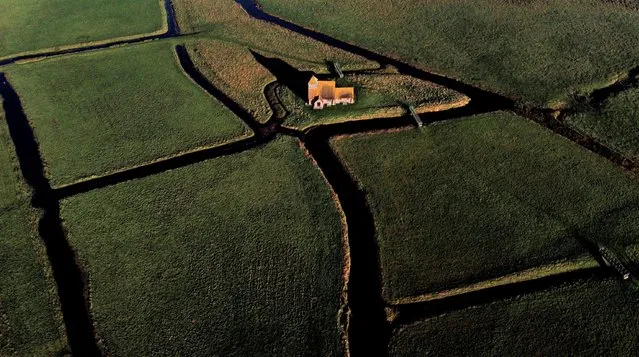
<point x="67" y="274"/>
<point x="367" y="329"/>
<point x="289" y="76"/>
<point x="413" y="312"/>
<point x="607" y="228"/>
<point x="610" y="229"/>
<point x="191" y="70"/>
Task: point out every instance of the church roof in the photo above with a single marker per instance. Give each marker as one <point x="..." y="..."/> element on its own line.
<point x="327" y="90"/>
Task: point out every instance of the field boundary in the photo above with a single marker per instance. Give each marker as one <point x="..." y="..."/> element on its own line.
<point x="344" y="314"/>
<point x="546" y="117"/>
<point x="410" y="313"/>
<point x="392" y="111"/>
<point x="364" y="316"/>
<point x="542" y="271"/>
<point x="155" y="167"/>
<point x="62" y="259"/>
<point x="169" y="29"/>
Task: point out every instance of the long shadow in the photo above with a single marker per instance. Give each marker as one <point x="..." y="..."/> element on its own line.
<point x="67" y="274"/>
<point x="262" y="134"/>
<point x="485" y="97"/>
<point x="297" y="81"/>
<point x="380" y="124"/>
<point x="368" y="330"/>
<point x="157" y="167"/>
<point x="481" y="98"/>
<point x="173" y="30"/>
<point x="262" y="131"/>
<point x="286" y="74"/>
<point x="410" y="313"/>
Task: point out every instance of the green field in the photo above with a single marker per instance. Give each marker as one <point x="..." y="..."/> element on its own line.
<point x="232" y="69"/>
<point x="225" y="21"/>
<point x="102" y="111"/>
<point x="240" y="255"/>
<point x="224" y="56"/>
<point x="616" y="124"/>
<point x="378" y="95"/>
<point x="29" y="25"/>
<point x="223" y="26"/>
<point x="30" y="321"/>
<point x="248" y="252"/>
<point x="226" y="34"/>
<point x="463" y="201"/>
<point x="539" y="51"/>
<point x="588" y="319"/>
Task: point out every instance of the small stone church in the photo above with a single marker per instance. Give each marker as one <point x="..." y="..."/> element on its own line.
<point x="324" y="94"/>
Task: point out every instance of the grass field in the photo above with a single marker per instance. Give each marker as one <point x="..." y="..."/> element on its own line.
<point x="232" y="68"/>
<point x="30" y="321"/>
<point x="247" y="254"/>
<point x="223" y="55"/>
<point x="464" y="201"/>
<point x="240" y="255"/>
<point x="588" y="319"/>
<point x="102" y="111"/>
<point x="383" y="95"/>
<point x="224" y="20"/>
<point x="11" y="189"/>
<point x="522" y="277"/>
<point x="227" y="33"/>
<point x="225" y="36"/>
<point x="540" y="51"/>
<point x="28" y="25"/>
<point x="616" y="123"/>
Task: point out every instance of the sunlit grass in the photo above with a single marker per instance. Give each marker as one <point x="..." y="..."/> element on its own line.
<point x="539" y="51"/>
<point x="586" y="319"/>
<point x="102" y="111"/>
<point x="380" y="95"/>
<point x="240" y="255"/>
<point x="30" y="320"/>
<point x="28" y="25"/>
<point x="465" y="201"/>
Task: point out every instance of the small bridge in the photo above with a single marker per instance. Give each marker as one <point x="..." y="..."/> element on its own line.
<point x="618" y="261"/>
<point x="418" y="120"/>
<point x="338" y="70"/>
